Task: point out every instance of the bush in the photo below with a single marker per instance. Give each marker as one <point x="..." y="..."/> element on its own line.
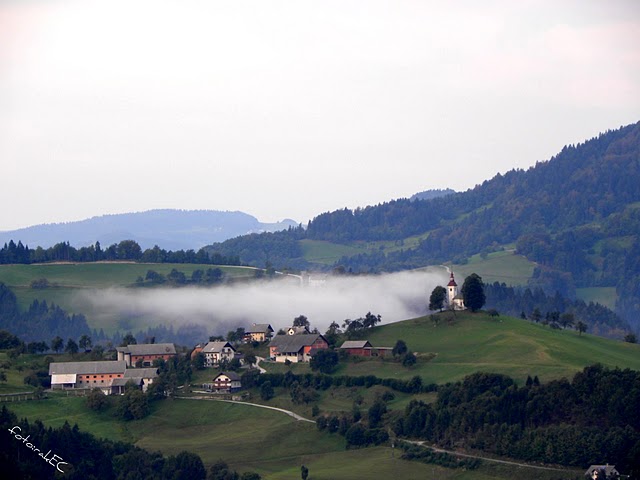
<point x="266" y="391"/>
<point x="96" y="400"/>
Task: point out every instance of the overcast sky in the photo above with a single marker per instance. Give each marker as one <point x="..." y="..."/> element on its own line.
<point x="292" y="108"/>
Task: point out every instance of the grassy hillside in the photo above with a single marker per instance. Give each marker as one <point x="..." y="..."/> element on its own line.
<point x="477" y="342"/>
<point x="249" y="438"/>
<point x="100" y="274"/>
<point x="503" y="267"/>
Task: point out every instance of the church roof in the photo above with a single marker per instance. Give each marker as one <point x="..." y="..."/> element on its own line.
<point x="452" y="282"/>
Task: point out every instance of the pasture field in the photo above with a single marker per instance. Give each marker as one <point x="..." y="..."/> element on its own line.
<point x="101" y="274"/>
<point x="504" y="267"/>
<point x="477" y="342"/>
<point x="326" y="253"/>
<point x="251" y="439"/>
<point x="606" y="296"/>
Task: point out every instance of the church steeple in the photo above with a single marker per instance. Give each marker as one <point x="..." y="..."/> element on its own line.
<point x="452" y="290"/>
<point x="456" y="302"/>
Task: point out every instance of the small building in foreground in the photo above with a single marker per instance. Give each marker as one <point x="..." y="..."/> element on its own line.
<point x="602" y="472"/>
<point x="224" y="382"/>
<point x="363" y="348"/>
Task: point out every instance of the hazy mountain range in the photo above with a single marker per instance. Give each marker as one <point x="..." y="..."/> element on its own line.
<point x="167" y="228"/>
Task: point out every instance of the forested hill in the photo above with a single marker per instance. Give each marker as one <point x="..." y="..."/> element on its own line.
<point x="168" y="228"/>
<point x="577" y="215"/>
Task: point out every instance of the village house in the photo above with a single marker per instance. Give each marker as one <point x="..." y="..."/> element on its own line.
<point x="258" y="332"/>
<point x="216" y="352"/>
<point x="224" y="382"/>
<point x="145" y="353"/>
<point x="363" y="348"/>
<point x="296" y="348"/>
<point x="65" y="375"/>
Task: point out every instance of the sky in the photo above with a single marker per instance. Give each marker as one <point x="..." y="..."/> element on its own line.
<point x="287" y="109"/>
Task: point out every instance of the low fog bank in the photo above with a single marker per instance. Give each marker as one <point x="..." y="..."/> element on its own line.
<point x="395" y="297"/>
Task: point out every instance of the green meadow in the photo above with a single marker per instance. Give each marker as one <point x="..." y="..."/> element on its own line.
<point x="469" y="343"/>
<point x="252" y="439"/>
<point x="504" y="267"/>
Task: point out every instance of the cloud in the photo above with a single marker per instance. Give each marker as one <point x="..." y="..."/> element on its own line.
<point x="395" y="297"/>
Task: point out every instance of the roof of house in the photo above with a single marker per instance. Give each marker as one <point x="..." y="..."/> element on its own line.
<point x="259" y="328"/>
<point x="609" y="469"/>
<point x="233" y="376"/>
<point x="294" y="343"/>
<point x="298" y="330"/>
<point x="85" y="368"/>
<point x="356" y="344"/>
<point x="141" y="373"/>
<point x="216" y="347"/>
<point x="121" y="382"/>
<point x="149" y="349"/>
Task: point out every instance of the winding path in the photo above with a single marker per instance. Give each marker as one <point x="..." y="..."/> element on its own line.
<point x="260" y="369"/>
<point x="288" y="412"/>
<point x="487" y="459"/>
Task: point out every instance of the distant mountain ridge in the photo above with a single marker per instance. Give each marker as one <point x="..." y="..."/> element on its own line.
<point x="170" y="229"/>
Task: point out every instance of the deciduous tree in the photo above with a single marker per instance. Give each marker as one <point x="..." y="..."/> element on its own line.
<point x="437" y="298"/>
<point x="473" y="292"/>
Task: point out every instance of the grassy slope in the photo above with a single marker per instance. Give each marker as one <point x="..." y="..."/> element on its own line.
<point x="249" y="438"/>
<point x="606" y="296"/>
<point x="326" y="253"/>
<point x="500" y="267"/>
<point x="477" y="342"/>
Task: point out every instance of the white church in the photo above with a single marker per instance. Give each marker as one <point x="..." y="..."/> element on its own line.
<point x="454" y="299"/>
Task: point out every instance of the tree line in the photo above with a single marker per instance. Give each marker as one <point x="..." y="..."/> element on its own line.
<point x="535" y="305"/>
<point x="126" y="250"/>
